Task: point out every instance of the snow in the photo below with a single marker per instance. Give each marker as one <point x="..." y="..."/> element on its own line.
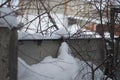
<point x="26" y="35"/>
<point x="107" y="35"/>
<point x="35" y="36"/>
<point x="64" y="67"/>
<point x="61" y="33"/>
<point x="95" y="20"/>
<point x="7" y="18"/>
<point x="85" y="72"/>
<point x="56" y="35"/>
<point x="86" y="34"/>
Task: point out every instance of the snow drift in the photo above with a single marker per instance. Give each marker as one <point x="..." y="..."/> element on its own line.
<point x="64" y="67"/>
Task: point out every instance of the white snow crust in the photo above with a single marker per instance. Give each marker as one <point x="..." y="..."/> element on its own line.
<point x="58" y="34"/>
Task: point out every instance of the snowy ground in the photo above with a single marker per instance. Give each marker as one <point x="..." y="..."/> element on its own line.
<point x="64" y="67"/>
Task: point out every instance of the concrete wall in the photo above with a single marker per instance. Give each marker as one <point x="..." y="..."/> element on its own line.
<point x="34" y="51"/>
<point x="8" y="54"/>
<point x="89" y="50"/>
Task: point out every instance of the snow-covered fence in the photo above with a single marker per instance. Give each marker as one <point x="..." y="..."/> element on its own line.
<point x="33" y="51"/>
<point x="63" y="67"/>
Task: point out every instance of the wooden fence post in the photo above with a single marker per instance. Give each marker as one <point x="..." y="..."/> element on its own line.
<point x="8" y="54"/>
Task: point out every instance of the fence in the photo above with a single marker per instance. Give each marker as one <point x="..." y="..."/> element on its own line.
<point x="8" y="54"/>
<point x="33" y="51"/>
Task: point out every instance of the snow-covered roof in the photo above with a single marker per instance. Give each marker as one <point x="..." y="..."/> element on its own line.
<point x="97" y="20"/>
<point x="107" y="35"/>
<point x="7" y="17"/>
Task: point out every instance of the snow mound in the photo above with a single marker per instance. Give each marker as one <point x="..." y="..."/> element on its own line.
<point x="85" y="72"/>
<point x="64" y="67"/>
